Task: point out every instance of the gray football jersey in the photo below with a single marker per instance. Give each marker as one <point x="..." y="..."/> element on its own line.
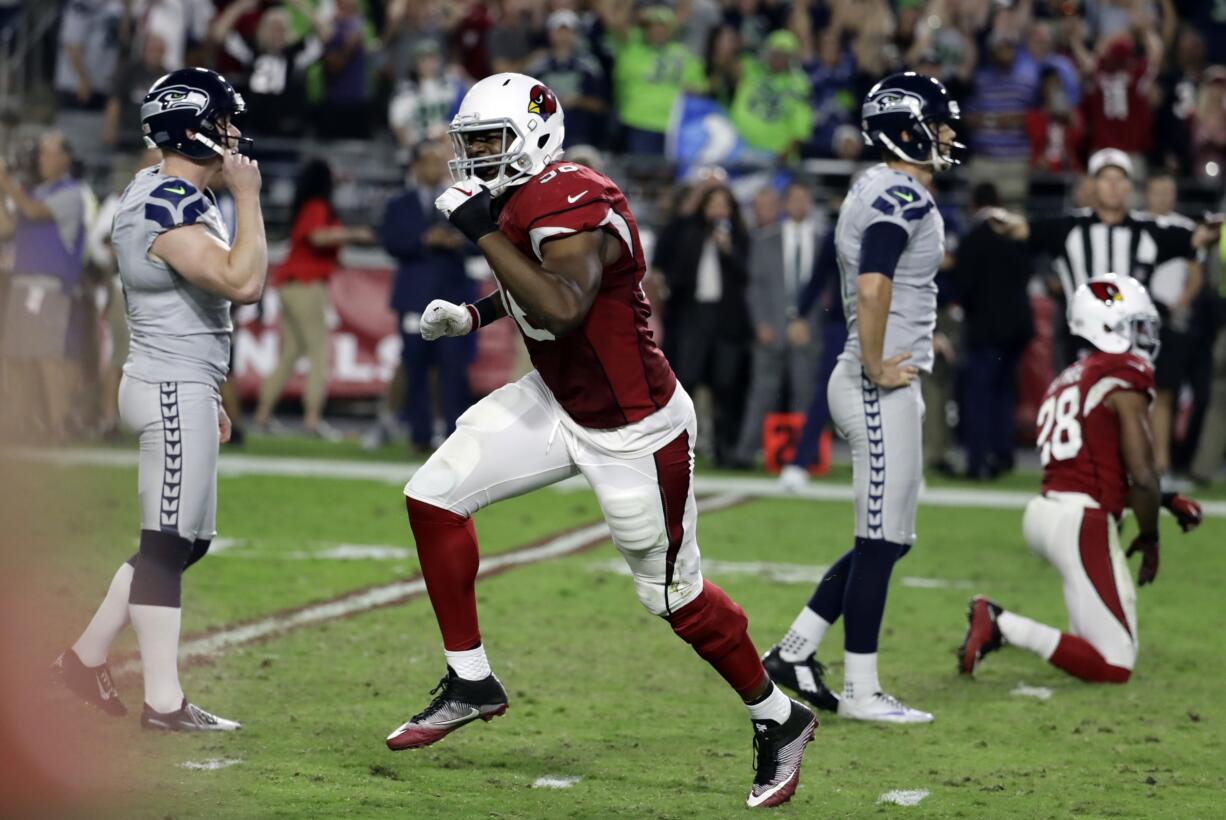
<point x="179" y="332"/>
<point x="885" y="195"/>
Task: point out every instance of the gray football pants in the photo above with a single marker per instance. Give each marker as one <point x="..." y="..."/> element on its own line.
<point x="885" y="431"/>
<point x="177" y="474"/>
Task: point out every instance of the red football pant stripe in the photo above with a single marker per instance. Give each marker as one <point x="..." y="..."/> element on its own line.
<point x="1096" y="560"/>
<point x="447" y="551"/>
<point x="1080" y="659"/>
<point x="719" y="632"/>
<point x="673" y="475"/>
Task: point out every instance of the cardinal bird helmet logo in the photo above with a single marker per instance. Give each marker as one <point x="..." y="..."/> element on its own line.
<point x="542" y="102"/>
<point x="1106" y="292"/>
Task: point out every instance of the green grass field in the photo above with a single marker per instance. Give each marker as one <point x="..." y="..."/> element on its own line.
<point x="603" y="692"/>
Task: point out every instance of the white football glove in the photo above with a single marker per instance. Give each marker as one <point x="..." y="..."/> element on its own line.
<point x="442" y="318"/>
<point x="458" y="194"/>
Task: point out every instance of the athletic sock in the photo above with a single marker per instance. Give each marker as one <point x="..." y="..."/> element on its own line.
<point x="112" y="615"/>
<point x="860" y="674"/>
<point x="827" y="598"/>
<point x="719" y="632"/>
<point x="1028" y="634"/>
<point x="774" y="705"/>
<point x="469" y="664"/>
<point x="868" y="582"/>
<point x="157" y="633"/>
<point x="447" y="551"/>
<point x="804" y="636"/>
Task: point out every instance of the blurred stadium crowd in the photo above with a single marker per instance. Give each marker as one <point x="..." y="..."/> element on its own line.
<point x="731" y="124"/>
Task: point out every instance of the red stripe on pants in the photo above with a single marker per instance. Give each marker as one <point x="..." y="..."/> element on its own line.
<point x="673" y="475"/>
<point x="1096" y="560"/>
<point x="1081" y="660"/>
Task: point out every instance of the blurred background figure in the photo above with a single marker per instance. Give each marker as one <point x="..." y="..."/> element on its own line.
<point x="427" y="99"/>
<point x="429" y="256"/>
<point x="1174" y="285"/>
<point x="782" y="256"/>
<point x="650" y="68"/>
<point x="44" y="324"/>
<point x="316" y="239"/>
<point x="102" y="257"/>
<point x="344" y="111"/>
<point x="991" y="275"/>
<point x="271" y="63"/>
<point x="1004" y="90"/>
<point x="92" y="37"/>
<point x="576" y="78"/>
<point x="771" y="107"/>
<point x="703" y="257"/>
<point x="822" y="299"/>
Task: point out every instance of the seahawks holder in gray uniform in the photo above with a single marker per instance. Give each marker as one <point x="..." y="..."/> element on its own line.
<point x="890" y="241"/>
<point x="179" y="276"/>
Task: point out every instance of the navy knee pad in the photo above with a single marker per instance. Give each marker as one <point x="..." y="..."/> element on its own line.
<point x="199" y="548"/>
<point x="158" y="576"/>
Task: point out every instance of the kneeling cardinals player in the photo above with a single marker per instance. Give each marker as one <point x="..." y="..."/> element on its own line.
<point x="602" y="401"/>
<point x="1097" y="455"/>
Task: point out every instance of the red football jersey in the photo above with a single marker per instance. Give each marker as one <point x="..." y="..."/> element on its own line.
<point x="1079" y="435"/>
<point x="609" y="372"/>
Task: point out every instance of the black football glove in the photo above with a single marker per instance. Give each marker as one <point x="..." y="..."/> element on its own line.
<point x="469" y="207"/>
<point x="1186" y="511"/>
<point x="1147" y="545"/>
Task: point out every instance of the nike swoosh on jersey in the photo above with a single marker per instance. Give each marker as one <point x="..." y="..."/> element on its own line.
<point x="180" y="190"/>
<point x="573" y="199"/>
<point x="904" y="196"/>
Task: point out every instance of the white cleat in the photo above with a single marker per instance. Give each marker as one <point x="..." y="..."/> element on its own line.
<point x="882" y="708"/>
<point x="793" y="479"/>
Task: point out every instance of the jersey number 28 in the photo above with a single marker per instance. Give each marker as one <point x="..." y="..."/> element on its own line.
<point x="1059" y="427"/>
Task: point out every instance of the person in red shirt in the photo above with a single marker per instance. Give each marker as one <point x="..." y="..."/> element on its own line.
<point x="1117" y="108"/>
<point x="601" y="401"/>
<point x="1097" y="453"/>
<point x="315" y="242"/>
<point x="1054" y="128"/>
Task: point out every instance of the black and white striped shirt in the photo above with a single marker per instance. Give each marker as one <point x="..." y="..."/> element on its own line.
<point x="1083" y="246"/>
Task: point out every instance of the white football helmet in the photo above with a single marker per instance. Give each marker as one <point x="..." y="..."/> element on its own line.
<point x="530" y="119"/>
<point x="1115" y="314"/>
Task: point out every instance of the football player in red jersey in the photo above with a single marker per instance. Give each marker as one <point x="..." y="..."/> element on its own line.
<point x="1098" y="458"/>
<point x="602" y="401"/>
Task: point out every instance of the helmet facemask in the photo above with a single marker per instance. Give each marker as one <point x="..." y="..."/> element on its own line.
<point x="511" y="165"/>
<point x="1144" y="333"/>
<point x="216" y="137"/>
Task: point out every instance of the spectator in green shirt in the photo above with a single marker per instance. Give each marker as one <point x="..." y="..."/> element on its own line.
<point x="650" y="68"/>
<point x="771" y="107"/>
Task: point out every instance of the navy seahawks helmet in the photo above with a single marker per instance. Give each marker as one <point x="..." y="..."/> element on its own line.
<point x="192" y="99"/>
<point x="916" y="105"/>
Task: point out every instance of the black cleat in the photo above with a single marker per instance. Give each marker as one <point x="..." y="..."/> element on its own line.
<point x="805" y="678"/>
<point x="92" y="684"/>
<point x="458" y="703"/>
<point x="778" y="749"/>
<point x="982" y="634"/>
<point x="188" y="718"/>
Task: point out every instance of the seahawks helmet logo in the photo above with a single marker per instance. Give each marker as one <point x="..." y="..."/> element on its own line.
<point x="892" y="100"/>
<point x="542" y="102"/>
<point x="176" y="97"/>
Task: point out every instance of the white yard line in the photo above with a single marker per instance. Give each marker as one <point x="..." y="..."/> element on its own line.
<point x="395" y="593"/>
<point x="781" y="573"/>
<point x="232" y="464"/>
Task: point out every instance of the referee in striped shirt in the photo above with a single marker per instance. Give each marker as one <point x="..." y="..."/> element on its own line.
<point x="1107" y="238"/>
